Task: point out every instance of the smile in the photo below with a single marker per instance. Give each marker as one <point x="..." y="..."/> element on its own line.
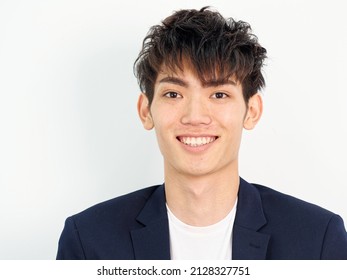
<point x="196" y="141"/>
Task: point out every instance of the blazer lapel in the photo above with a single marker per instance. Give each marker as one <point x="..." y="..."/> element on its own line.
<point x="248" y="243"/>
<point x="152" y="242"/>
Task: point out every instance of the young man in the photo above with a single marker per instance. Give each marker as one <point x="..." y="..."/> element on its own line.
<point x="200" y="75"/>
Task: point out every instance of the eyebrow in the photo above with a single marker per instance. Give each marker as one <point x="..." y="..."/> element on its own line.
<point x="216" y="83"/>
<point x="212" y="83"/>
<point x="173" y="80"/>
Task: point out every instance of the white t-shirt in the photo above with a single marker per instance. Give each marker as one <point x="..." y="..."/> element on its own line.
<point x="201" y="243"/>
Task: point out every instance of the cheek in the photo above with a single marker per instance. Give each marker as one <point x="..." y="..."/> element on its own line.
<point x="164" y="116"/>
<point x="164" y="125"/>
<point x="232" y="118"/>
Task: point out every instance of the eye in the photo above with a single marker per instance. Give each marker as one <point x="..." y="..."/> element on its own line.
<point x="172" y="94"/>
<point x="219" y="95"/>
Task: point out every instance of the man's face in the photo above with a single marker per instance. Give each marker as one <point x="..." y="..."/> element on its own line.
<point x="198" y="126"/>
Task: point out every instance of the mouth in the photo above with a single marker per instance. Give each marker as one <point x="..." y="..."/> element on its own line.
<point x="196" y="141"/>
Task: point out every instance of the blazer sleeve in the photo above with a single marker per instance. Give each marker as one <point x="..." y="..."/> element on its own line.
<point x="70" y="246"/>
<point x="335" y="240"/>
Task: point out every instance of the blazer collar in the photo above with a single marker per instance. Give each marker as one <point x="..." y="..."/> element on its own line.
<point x="152" y="241"/>
<point x="247" y="242"/>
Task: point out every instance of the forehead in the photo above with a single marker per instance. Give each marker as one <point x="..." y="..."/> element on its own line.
<point x="183" y="71"/>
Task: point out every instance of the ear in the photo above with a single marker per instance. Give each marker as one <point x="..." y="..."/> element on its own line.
<point x="254" y="112"/>
<point x="144" y="112"/>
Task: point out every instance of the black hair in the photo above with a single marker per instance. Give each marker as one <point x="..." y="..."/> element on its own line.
<point x="215" y="47"/>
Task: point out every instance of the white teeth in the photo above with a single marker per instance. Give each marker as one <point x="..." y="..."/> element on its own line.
<point x="196" y="141"/>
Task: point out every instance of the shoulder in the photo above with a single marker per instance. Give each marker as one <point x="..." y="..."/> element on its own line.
<point x="282" y="205"/>
<point x="102" y="231"/>
<point x="119" y="208"/>
<point x="311" y="231"/>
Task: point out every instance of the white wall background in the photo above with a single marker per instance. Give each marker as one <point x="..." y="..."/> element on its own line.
<point x="69" y="132"/>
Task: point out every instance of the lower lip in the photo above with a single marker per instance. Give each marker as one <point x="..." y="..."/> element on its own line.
<point x="197" y="149"/>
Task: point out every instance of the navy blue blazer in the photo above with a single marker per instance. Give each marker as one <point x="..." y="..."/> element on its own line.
<point x="268" y="225"/>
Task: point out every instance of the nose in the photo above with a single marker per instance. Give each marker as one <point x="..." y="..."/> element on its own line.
<point x="196" y="112"/>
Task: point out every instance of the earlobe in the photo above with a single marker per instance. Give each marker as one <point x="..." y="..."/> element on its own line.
<point x="143" y="110"/>
<point x="254" y="112"/>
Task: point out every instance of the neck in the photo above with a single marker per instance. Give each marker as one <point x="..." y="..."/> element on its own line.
<point x="201" y="200"/>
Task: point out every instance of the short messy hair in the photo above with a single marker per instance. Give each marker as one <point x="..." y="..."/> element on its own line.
<point x="217" y="48"/>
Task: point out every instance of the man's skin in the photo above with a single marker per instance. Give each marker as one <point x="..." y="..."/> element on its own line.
<point x="201" y="175"/>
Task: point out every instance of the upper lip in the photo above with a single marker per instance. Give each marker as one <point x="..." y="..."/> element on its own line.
<point x="196" y="135"/>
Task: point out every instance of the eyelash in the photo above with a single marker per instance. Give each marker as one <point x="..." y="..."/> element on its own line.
<point x="168" y="94"/>
<point x="224" y="95"/>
